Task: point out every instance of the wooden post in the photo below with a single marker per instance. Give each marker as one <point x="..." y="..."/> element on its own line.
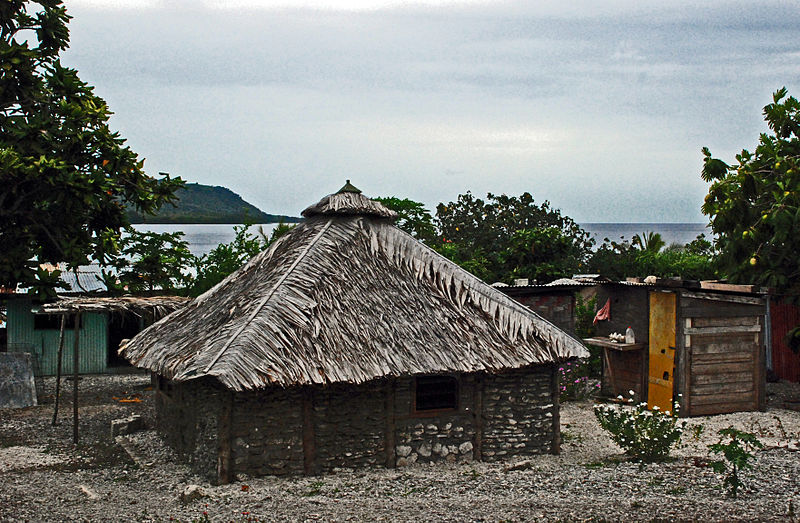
<point x="555" y="391"/>
<point x="58" y="365"/>
<point x="477" y="419"/>
<point x="225" y="473"/>
<point x="309" y="448"/>
<point x="75" y="361"/>
<point x="389" y="435"/>
<point x="760" y="377"/>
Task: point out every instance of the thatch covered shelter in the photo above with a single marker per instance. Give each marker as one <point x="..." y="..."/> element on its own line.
<point x="349" y="343"/>
<point x="104" y="323"/>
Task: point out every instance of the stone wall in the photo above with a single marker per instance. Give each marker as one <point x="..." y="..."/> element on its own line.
<point x="435" y="436"/>
<point x="267" y="432"/>
<point x="350" y="426"/>
<point x="319" y="429"/>
<point x="518" y="412"/>
<point x="187" y="416"/>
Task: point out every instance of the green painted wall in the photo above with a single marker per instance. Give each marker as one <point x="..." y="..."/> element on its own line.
<point x="22" y="337"/>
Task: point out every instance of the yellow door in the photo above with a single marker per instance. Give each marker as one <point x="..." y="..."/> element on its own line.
<point x="662" y="350"/>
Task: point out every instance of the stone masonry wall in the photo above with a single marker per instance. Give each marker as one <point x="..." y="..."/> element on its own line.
<point x="437" y="436"/>
<point x="350" y="426"/>
<point x="518" y="413"/>
<point x="347" y="425"/>
<point x="267" y="432"/>
<point x="187" y="416"/>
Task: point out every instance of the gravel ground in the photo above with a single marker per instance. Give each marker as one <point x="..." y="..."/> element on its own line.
<point x="43" y="477"/>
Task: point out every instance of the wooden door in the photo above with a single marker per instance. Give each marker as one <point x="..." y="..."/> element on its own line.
<point x="662" y="350"/>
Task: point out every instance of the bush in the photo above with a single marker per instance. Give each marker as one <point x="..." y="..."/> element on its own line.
<point x="645" y="435"/>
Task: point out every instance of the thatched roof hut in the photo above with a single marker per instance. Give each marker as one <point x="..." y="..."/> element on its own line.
<point x="349" y="343"/>
<point x="346" y="297"/>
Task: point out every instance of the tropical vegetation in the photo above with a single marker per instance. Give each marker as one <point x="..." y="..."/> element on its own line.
<point x="65" y="175"/>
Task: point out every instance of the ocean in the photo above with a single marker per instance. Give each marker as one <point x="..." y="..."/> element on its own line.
<point x="681" y="233"/>
<point x="202" y="238"/>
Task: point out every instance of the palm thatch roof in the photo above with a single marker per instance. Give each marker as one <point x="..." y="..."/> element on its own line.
<point x="156" y="306"/>
<point x="346" y="297"/>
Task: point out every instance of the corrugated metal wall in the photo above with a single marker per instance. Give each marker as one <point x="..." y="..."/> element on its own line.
<point x="784" y="317"/>
<point x="44" y="342"/>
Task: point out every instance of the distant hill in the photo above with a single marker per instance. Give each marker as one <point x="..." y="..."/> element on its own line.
<point x="199" y="203"/>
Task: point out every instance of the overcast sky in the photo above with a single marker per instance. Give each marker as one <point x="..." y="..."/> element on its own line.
<point x="600" y="107"/>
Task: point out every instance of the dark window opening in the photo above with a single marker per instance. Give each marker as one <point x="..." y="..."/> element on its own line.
<point x="52" y="322"/>
<point x="121" y="326"/>
<point x="436" y="393"/>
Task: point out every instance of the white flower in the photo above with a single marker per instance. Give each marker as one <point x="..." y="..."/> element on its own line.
<point x="631" y="392"/>
<point x="655" y="407"/>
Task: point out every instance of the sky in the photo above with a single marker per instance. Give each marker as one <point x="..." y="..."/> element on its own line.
<point x="600" y="107"/>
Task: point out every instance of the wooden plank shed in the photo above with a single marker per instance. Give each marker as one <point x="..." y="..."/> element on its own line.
<point x="701" y="344"/>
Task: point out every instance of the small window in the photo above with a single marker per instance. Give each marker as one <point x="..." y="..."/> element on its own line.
<point x="436" y="393"/>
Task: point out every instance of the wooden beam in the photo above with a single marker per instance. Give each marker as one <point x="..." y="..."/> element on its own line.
<point x="761" y="370"/>
<point x="389" y="435"/>
<point x="75" y="366"/>
<point x="225" y="473"/>
<point x="477" y="419"/>
<point x="723" y="310"/>
<point x="732" y="298"/>
<point x="309" y="443"/>
<point x="60" y="358"/>
<point x="729" y="329"/>
<point x="555" y="392"/>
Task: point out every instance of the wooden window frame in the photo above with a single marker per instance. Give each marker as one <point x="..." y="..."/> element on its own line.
<point x="431" y="379"/>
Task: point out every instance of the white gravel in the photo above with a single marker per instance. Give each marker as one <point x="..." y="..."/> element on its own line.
<point x="43" y="477"/>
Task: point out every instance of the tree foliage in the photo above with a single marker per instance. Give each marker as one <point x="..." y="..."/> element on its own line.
<point x="512" y="237"/>
<point x="646" y="257"/>
<point x="412" y="217"/>
<point x="754" y="205"/>
<point x="153" y="261"/>
<point x="65" y="176"/>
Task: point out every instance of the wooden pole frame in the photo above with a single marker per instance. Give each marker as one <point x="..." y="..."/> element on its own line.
<point x="389" y="436"/>
<point x="555" y="390"/>
<point x="309" y="443"/>
<point x="60" y="357"/>
<point x="75" y="368"/>
<point x="477" y="419"/>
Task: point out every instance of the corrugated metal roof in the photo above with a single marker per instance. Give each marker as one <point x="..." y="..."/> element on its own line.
<point x="85" y="279"/>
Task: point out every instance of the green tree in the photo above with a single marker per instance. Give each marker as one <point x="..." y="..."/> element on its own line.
<point x="754" y="205"/>
<point x="412" y="217"/>
<point x="514" y="235"/>
<point x="64" y="175"/>
<point x="153" y="261"/>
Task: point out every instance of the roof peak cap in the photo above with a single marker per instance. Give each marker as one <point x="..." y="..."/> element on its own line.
<point x="349" y="187"/>
<point x="348" y="201"/>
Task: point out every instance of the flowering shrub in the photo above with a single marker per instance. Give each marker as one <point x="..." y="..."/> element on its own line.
<point x="645" y="435"/>
<point x="574" y="382"/>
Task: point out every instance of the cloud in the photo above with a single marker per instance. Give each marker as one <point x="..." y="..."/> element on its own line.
<point x="578" y="102"/>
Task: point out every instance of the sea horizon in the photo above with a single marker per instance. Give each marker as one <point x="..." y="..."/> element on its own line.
<point x="203" y="237"/>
